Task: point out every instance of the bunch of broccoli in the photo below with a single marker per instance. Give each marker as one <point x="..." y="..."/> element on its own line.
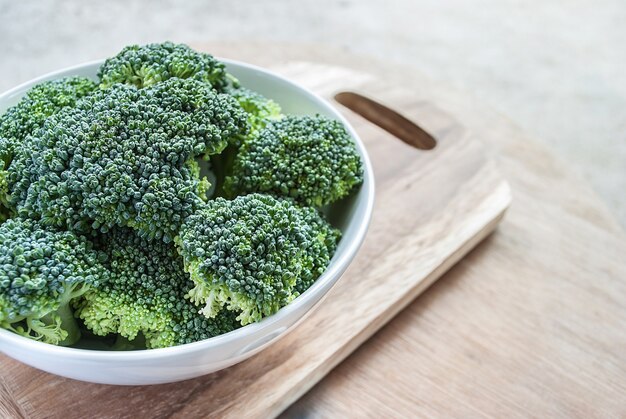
<point x="162" y="204"/>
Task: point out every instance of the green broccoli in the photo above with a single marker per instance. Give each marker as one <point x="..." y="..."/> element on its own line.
<point x="43" y="100"/>
<point x="309" y="159"/>
<point x="146" y="65"/>
<point x="253" y="254"/>
<point x="113" y="217"/>
<point x="42" y="271"/>
<point x="124" y="157"/>
<point x="260" y="109"/>
<point x="144" y="293"/>
<point x="28" y="116"/>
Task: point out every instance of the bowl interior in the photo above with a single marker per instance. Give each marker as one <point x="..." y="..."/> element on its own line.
<point x="351" y="215"/>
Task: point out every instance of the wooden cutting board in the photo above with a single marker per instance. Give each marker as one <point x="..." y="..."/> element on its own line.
<point x="432" y="207"/>
<point x="529" y="324"/>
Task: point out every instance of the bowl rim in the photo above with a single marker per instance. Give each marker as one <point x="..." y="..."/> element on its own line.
<point x="334" y="270"/>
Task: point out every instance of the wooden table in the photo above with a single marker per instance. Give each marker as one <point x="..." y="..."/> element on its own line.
<point x="531" y="323"/>
<point x="528" y="324"/>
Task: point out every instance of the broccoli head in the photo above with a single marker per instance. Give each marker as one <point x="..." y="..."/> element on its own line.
<point x="42" y="270"/>
<point x="253" y="254"/>
<point x="124" y="157"/>
<point x="27" y="116"/>
<point x="146" y="65"/>
<point x="144" y="292"/>
<point x="38" y="104"/>
<point x="311" y="160"/>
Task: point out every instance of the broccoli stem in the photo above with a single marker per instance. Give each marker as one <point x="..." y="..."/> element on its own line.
<point x="222" y="165"/>
<point x="68" y="323"/>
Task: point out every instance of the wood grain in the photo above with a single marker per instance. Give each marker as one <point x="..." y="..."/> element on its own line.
<point x="529" y="324"/>
<point x="431" y="209"/>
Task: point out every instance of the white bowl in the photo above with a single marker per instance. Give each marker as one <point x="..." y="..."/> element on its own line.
<point x="156" y="366"/>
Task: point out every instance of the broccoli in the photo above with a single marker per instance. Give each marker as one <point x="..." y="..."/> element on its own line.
<point x="309" y="159"/>
<point x="248" y="254"/>
<point x="28" y="116"/>
<point x="124" y="157"/>
<point x="260" y="109"/>
<point x="163" y="205"/>
<point x="146" y="65"/>
<point x="43" y="100"/>
<point x="144" y="293"/>
<point x="42" y="270"/>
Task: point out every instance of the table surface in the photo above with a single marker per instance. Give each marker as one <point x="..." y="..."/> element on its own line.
<point x="530" y="323"/>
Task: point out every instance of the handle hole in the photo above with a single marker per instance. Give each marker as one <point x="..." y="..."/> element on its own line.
<point x="387" y="119"/>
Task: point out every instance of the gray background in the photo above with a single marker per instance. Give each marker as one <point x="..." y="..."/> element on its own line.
<point x="555" y="67"/>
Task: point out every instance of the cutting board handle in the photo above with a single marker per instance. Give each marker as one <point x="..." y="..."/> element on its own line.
<point x="387" y="119"/>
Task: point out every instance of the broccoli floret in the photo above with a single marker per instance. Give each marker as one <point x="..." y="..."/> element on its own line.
<point x="260" y="109"/>
<point x="144" y="292"/>
<point x="123" y="157"/>
<point x="146" y="65"/>
<point x="253" y="254"/>
<point x="42" y="270"/>
<point x="29" y="115"/>
<point x="309" y="159"/>
<point x="42" y="101"/>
